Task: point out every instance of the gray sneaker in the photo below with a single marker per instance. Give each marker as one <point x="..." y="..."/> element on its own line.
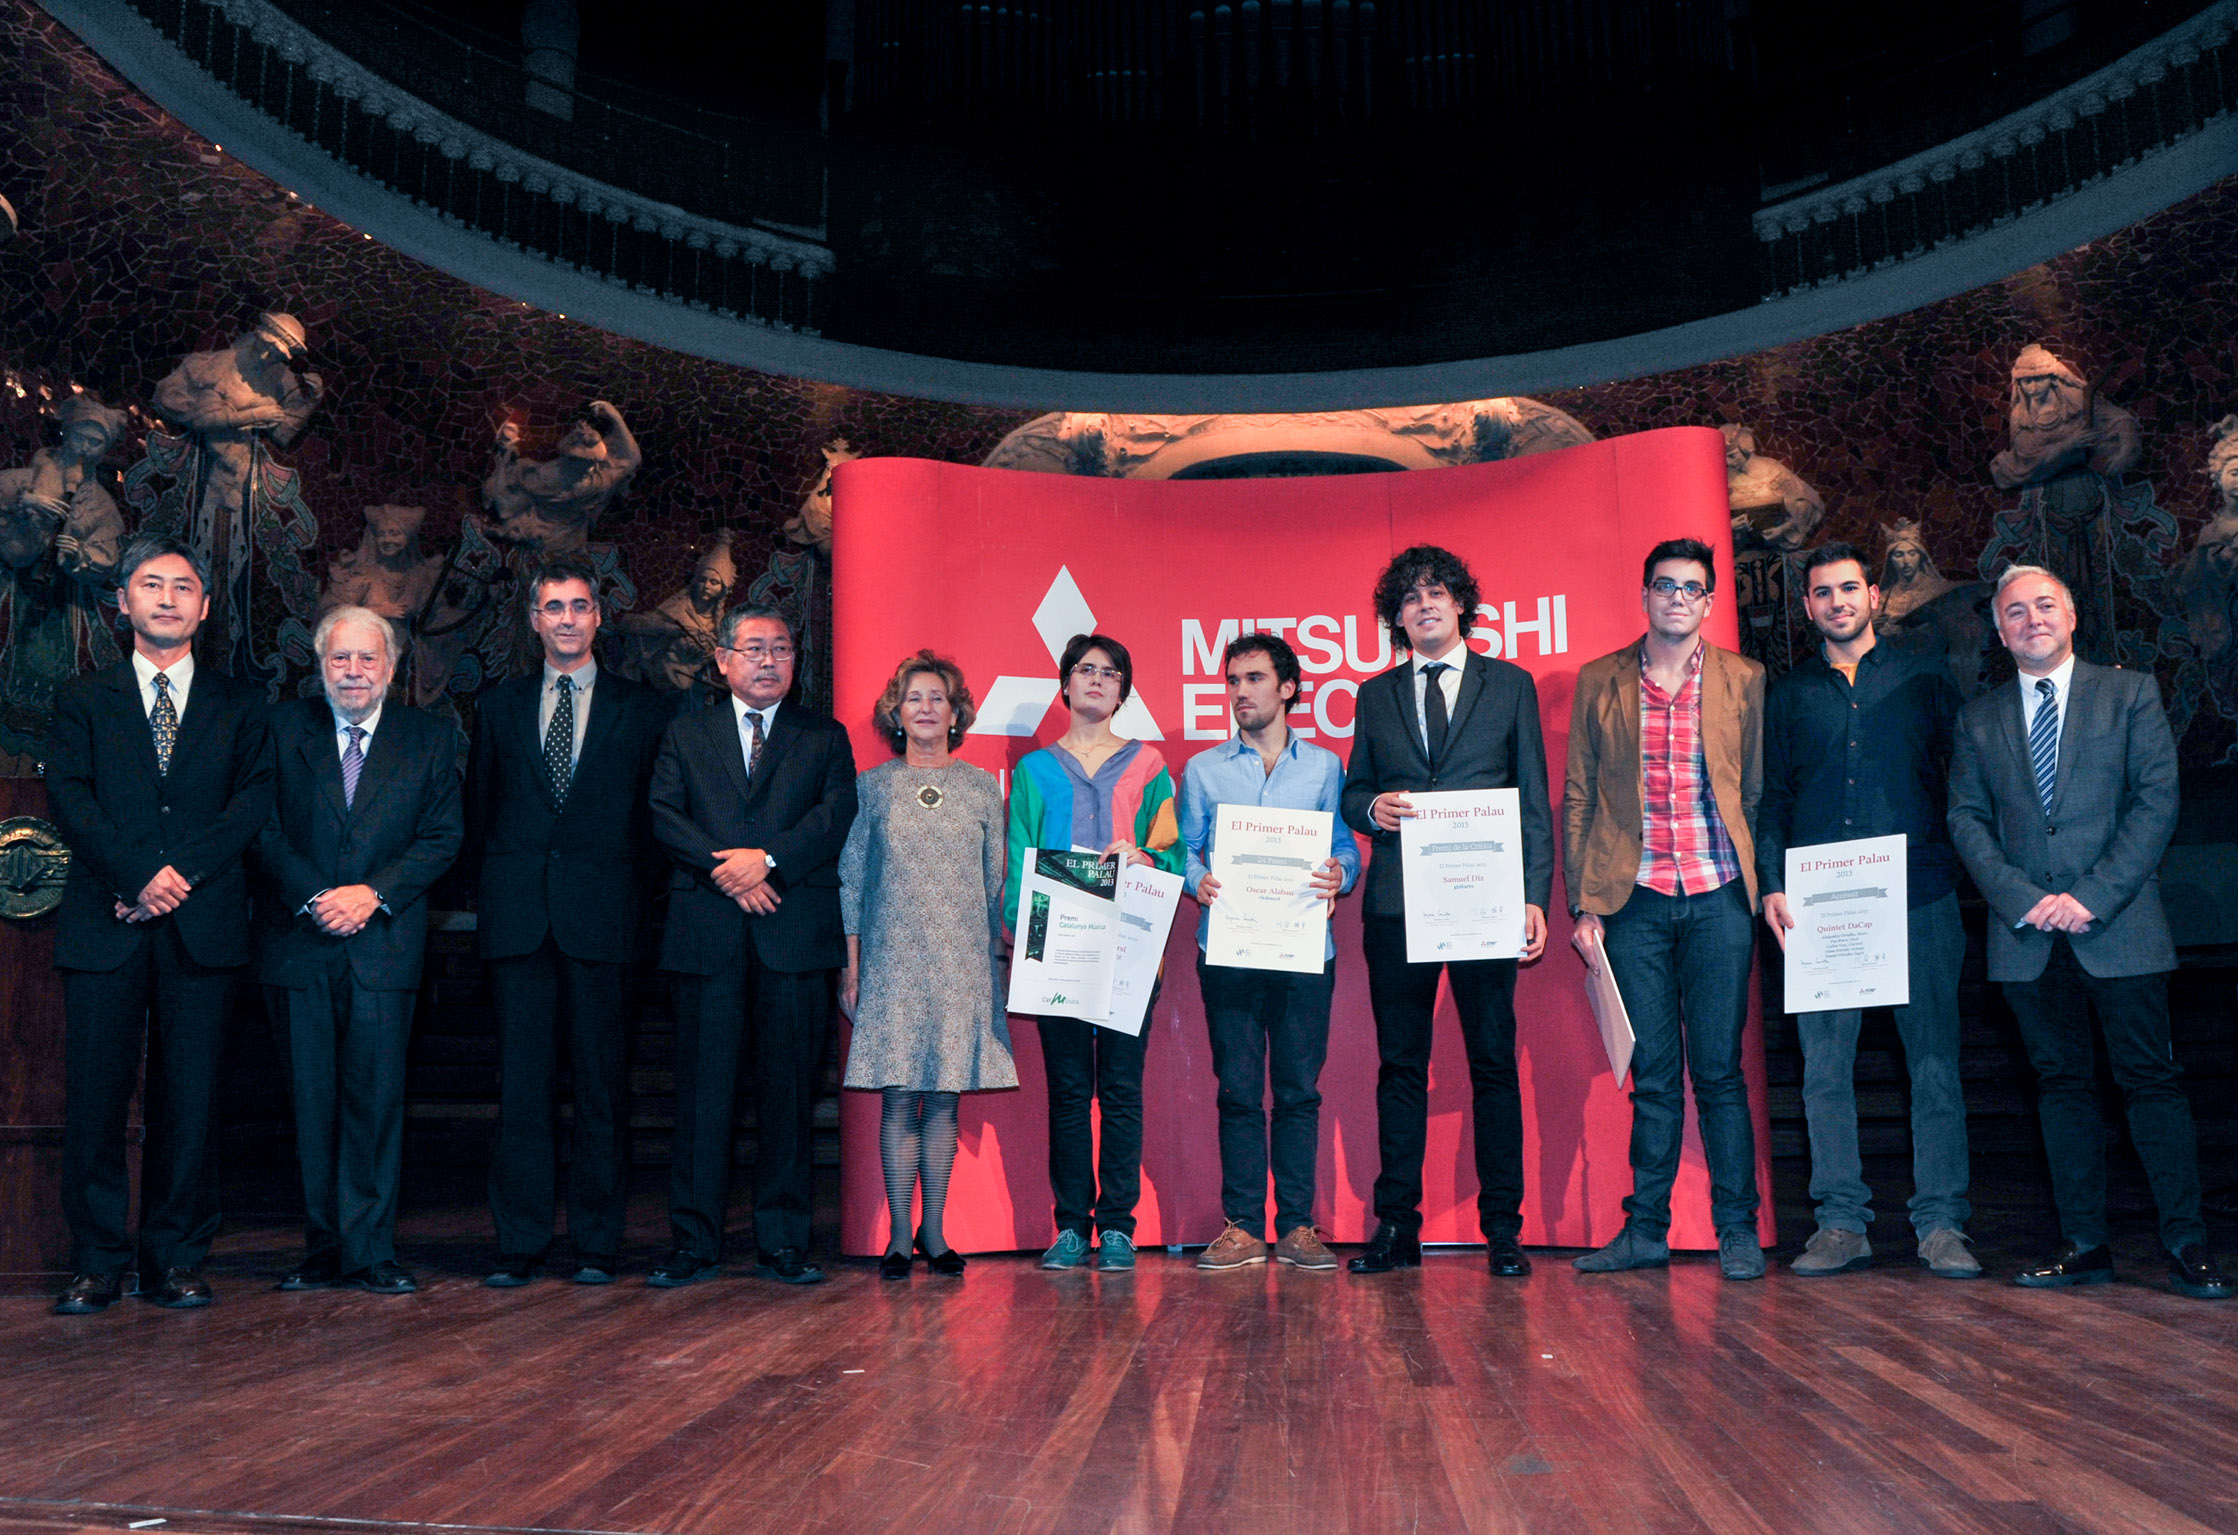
<point x="1630" y="1250"/>
<point x="1739" y="1254"/>
<point x="1116" y="1252"/>
<point x="1069" y="1251"/>
<point x="1944" y="1252"/>
<point x="1832" y="1251"/>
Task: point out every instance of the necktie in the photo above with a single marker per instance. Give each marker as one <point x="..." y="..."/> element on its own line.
<point x="753" y="746"/>
<point x="1433" y="706"/>
<point x="353" y="763"/>
<point x="2043" y="741"/>
<point x="163" y="719"/>
<point x="559" y="740"/>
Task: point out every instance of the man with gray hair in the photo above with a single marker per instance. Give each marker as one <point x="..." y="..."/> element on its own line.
<point x="365" y="818"/>
<point x="2062" y="800"/>
<point x="159" y="778"/>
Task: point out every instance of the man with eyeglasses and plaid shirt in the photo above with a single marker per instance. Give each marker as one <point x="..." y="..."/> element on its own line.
<point x="1658" y="806"/>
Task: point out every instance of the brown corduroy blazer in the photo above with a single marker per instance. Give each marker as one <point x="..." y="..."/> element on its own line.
<point x="1601" y="790"/>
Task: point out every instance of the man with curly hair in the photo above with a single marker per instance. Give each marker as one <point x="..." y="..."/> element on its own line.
<point x="1444" y="718"/>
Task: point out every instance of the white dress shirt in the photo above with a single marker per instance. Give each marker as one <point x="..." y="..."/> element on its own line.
<point x="739" y="710"/>
<point x="1449" y="682"/>
<point x="181" y="673"/>
<point x="2062" y="679"/>
<point x="584" y="677"/>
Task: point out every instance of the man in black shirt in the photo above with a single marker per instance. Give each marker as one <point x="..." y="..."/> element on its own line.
<point x="1857" y="743"/>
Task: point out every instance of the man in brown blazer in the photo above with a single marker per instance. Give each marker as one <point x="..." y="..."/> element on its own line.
<point x="1658" y="804"/>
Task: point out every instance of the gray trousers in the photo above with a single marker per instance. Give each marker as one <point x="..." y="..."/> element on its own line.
<point x="1929" y="1029"/>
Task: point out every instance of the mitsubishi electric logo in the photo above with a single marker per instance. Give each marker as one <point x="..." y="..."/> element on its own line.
<point x="1015" y="706"/>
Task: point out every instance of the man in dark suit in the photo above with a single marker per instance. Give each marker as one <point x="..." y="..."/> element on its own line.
<point x="752" y="799"/>
<point x="2062" y="801"/>
<point x="365" y="818"/>
<point x="159" y="777"/>
<point x="555" y="796"/>
<point x="1446" y="719"/>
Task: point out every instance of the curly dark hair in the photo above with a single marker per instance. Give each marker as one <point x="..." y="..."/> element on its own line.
<point x="887" y="715"/>
<point x="1423" y="565"/>
<point x="1274" y="647"/>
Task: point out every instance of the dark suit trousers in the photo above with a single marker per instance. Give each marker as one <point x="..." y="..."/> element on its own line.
<point x="547" y="1001"/>
<point x="1405" y="998"/>
<point x="1095" y="1182"/>
<point x="181" y="1009"/>
<point x="789" y="1014"/>
<point x="345" y="1054"/>
<point x="2054" y="1013"/>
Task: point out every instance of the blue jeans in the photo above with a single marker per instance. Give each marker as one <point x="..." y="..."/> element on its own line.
<point x="1682" y="966"/>
<point x="1929" y="1029"/>
<point x="1268" y="1028"/>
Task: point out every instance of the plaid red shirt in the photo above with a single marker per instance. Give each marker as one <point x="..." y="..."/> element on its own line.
<point x="1684" y="849"/>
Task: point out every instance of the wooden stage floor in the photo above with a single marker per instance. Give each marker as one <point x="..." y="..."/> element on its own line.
<point x="1016" y="1400"/>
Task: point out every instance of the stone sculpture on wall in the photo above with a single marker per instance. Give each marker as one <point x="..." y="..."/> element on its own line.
<point x="1772" y="504"/>
<point x="387" y="571"/>
<point x="546" y="505"/>
<point x="61" y="535"/>
<point x="673" y="646"/>
<point x="1917" y="598"/>
<point x="2058" y="422"/>
<point x="811" y="525"/>
<point x="2205" y="583"/>
<point x="230" y="498"/>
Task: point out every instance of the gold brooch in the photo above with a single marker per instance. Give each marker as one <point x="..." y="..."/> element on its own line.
<point x="929" y="797"/>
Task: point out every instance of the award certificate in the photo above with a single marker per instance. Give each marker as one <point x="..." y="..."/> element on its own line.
<point x="1461" y="859"/>
<point x="1065" y="950"/>
<point x="1851" y="942"/>
<point x="1267" y="916"/>
<point x="1148" y="898"/>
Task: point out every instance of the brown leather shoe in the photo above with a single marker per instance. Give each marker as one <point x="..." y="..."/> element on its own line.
<point x="182" y="1290"/>
<point x="1304" y="1249"/>
<point x="1233" y="1248"/>
<point x="88" y="1293"/>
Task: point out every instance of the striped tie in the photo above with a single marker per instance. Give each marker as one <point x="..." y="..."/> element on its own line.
<point x="2043" y="741"/>
<point x="353" y="763"/>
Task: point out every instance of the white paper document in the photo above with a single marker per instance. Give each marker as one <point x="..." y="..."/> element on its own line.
<point x="1267" y="915"/>
<point x="1461" y="859"/>
<point x="1064" y="954"/>
<point x="1148" y="898"/>
<point x="1851" y="942"/>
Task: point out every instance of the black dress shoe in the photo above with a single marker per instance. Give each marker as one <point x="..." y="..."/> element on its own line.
<point x="948" y="1264"/>
<point x="2194" y="1272"/>
<point x="88" y="1293"/>
<point x="510" y="1273"/>
<point x="182" y="1290"/>
<point x="319" y="1271"/>
<point x="598" y="1269"/>
<point x="1504" y="1255"/>
<point x="2071" y="1265"/>
<point x="787" y="1265"/>
<point x="1389" y="1249"/>
<point x="893" y="1266"/>
<point x="387" y="1277"/>
<point x="680" y="1268"/>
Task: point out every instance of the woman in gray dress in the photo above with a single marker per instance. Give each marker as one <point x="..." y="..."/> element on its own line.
<point x="920" y="888"/>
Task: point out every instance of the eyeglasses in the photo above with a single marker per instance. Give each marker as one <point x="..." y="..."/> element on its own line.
<point x="760" y="652"/>
<point x="1692" y="591"/>
<point x="1089" y="671"/>
<point x="580" y="607"/>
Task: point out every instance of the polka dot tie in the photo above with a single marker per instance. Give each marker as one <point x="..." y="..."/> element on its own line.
<point x="559" y="740"/>
<point x="163" y="719"/>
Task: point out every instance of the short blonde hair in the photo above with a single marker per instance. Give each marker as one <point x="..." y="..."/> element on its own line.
<point x="2016" y="572"/>
<point x="887" y="715"/>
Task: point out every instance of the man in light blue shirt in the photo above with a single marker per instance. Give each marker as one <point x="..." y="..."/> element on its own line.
<point x="1266" y="1024"/>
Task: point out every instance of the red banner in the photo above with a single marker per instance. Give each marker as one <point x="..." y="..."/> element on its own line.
<point x="997" y="569"/>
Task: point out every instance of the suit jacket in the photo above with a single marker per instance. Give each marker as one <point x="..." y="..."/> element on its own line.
<point x="1492" y="741"/>
<point x="2113" y="811"/>
<point x="576" y="869"/>
<point x="797" y="806"/>
<point x="124" y="821"/>
<point x="1601" y="811"/>
<point x="398" y="835"/>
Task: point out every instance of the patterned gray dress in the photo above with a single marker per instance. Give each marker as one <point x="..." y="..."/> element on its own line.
<point x="920" y="882"/>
